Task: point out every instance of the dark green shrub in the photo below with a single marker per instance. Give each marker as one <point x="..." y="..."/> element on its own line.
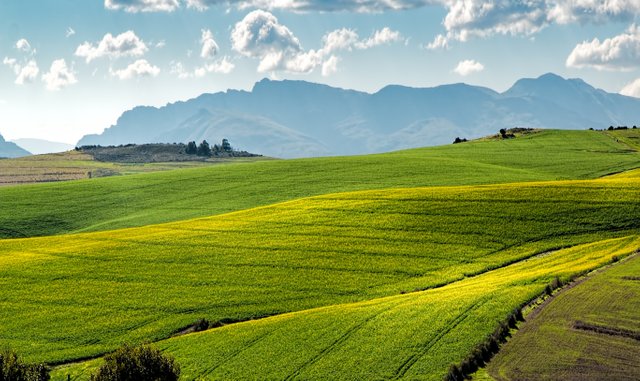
<point x="13" y="369"/>
<point x="140" y="363"/>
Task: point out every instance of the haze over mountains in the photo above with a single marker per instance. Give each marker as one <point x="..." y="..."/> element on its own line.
<point x="302" y="119"/>
<point x="9" y="149"/>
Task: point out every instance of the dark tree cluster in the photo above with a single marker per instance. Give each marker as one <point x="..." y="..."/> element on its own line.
<point x="140" y="363"/>
<point x="459" y="140"/>
<point x="13" y="369"/>
<point x="612" y="128"/>
<point x="204" y="149"/>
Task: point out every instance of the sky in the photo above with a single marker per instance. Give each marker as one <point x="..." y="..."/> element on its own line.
<point x="72" y="67"/>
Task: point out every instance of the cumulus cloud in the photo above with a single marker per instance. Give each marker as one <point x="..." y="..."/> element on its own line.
<point x="70" y="32"/>
<point x="23" y="45"/>
<point x="124" y="44"/>
<point x="28" y="73"/>
<point x="360" y="6"/>
<point x="260" y="35"/>
<point x="439" y="42"/>
<point x="467" y="67"/>
<point x="223" y="66"/>
<point x="25" y="73"/>
<point x="330" y="66"/>
<point x="139" y="69"/>
<point x="134" y="6"/>
<point x="209" y="46"/>
<point x="632" y="89"/>
<point x="59" y="76"/>
<point x="621" y="52"/>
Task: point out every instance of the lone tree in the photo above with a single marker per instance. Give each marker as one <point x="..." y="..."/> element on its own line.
<point x="226" y="146"/>
<point x="204" y="149"/>
<point x="141" y="363"/>
<point x="503" y="133"/>
<point x="191" y="149"/>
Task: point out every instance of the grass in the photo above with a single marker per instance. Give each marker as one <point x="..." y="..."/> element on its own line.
<point x="75" y="165"/>
<point x="412" y="336"/>
<point x="138" y="200"/>
<point x="69" y="297"/>
<point x="551" y="346"/>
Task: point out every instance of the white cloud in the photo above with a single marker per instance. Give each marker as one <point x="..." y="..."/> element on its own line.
<point x="23" y="45"/>
<point x="223" y="66"/>
<point x="467" y="67"/>
<point x="330" y="66"/>
<point x="59" y="76"/>
<point x="340" y="39"/>
<point x="161" y="44"/>
<point x="134" y="6"/>
<point x="70" y="32"/>
<point x="380" y="37"/>
<point x="260" y="35"/>
<point x="439" y="42"/>
<point x="138" y="69"/>
<point x="124" y="44"/>
<point x="28" y="73"/>
<point x="632" y="89"/>
<point x="209" y="46"/>
<point x="360" y="6"/>
<point x="25" y="73"/>
<point x="621" y="52"/>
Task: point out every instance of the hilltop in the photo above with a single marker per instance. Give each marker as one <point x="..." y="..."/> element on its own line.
<point x="124" y="201"/>
<point x="301" y="119"/>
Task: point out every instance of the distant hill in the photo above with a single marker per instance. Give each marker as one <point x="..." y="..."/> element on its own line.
<point x="302" y="119"/>
<point x="41" y="146"/>
<point x="9" y="149"/>
<point x="155" y="153"/>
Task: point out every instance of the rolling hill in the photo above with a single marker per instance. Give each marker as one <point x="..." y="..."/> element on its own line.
<point x="9" y="149"/>
<point x="412" y="265"/>
<point x="117" y="202"/>
<point x="589" y="332"/>
<point x="301" y="119"/>
<point x="75" y="296"/>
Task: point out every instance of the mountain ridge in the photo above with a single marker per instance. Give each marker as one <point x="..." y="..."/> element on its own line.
<point x="296" y="118"/>
<point x="11" y="150"/>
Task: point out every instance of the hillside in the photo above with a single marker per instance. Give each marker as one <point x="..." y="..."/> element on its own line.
<point x="301" y="119"/>
<point x="589" y="332"/>
<point x="9" y="149"/>
<point x="77" y="165"/>
<point x="109" y="203"/>
<point x="251" y="263"/>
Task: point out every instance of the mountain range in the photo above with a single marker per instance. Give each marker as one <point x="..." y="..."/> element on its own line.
<point x="41" y="146"/>
<point x="9" y="149"/>
<point x="302" y="119"/>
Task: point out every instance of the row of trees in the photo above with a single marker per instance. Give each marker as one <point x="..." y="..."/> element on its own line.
<point x="204" y="149"/>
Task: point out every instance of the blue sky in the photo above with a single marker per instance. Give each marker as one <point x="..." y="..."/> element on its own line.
<point x="72" y="67"/>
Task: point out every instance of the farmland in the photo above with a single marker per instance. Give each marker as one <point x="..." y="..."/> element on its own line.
<point x="329" y="268"/>
<point x="585" y="333"/>
<point x="146" y="283"/>
<point x="125" y="201"/>
<point x="77" y="165"/>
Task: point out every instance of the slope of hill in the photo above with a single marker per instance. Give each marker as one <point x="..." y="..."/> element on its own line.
<point x="589" y="332"/>
<point x="74" y="296"/>
<point x="109" y="203"/>
<point x="301" y="119"/>
<point x="41" y="146"/>
<point x="9" y="149"/>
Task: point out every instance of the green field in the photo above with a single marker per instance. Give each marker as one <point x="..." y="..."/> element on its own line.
<point x="80" y="295"/>
<point x="391" y="278"/>
<point x="549" y="346"/>
<point x="137" y="200"/>
<point x="76" y="165"/>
